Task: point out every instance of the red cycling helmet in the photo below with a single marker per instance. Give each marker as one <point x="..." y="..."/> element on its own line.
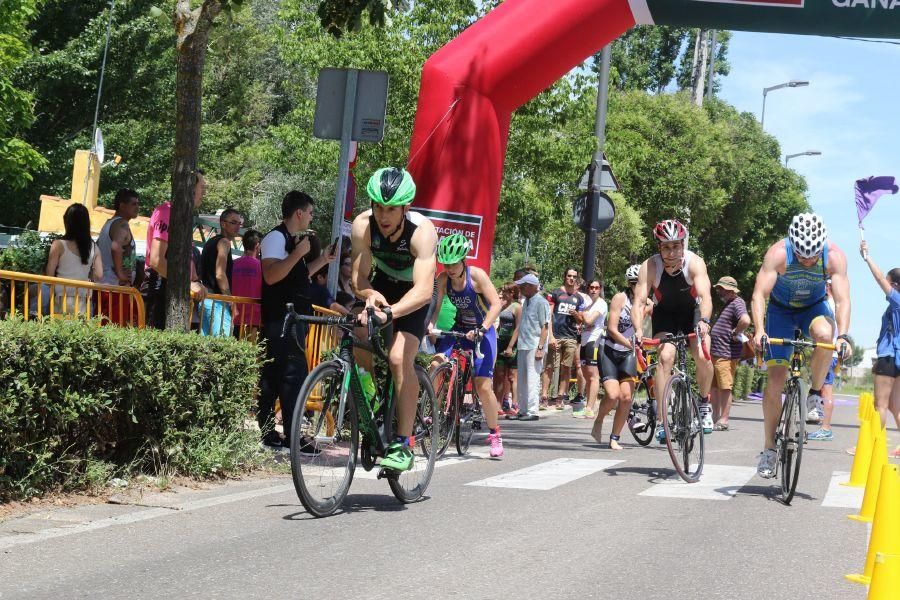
<point x="670" y="230"/>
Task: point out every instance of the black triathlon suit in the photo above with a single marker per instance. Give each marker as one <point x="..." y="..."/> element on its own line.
<point x="676" y="310"/>
<point x="393" y="266"/>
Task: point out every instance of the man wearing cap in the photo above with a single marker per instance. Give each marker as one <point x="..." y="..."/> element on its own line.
<point x="727" y="340"/>
<point x="533" y="331"/>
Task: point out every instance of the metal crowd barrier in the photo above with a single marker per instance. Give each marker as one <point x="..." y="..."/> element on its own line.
<point x="39" y="296"/>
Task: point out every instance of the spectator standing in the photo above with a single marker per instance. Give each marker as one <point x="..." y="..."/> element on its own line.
<point x="593" y="321"/>
<point x="345" y="273"/>
<point x="320" y="296"/>
<point x="117" y="252"/>
<point x="74" y="256"/>
<point x="289" y="253"/>
<point x="246" y="282"/>
<point x="567" y="306"/>
<point x="726" y="346"/>
<point x="506" y="371"/>
<point x="216" y="273"/>
<point x="156" y="268"/>
<point x="533" y="333"/>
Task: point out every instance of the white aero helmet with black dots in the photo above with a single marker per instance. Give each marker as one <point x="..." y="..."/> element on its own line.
<point x="632" y="272"/>
<point x="808" y="235"/>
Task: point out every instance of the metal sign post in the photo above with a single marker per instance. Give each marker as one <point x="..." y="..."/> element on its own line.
<point x="350" y="106"/>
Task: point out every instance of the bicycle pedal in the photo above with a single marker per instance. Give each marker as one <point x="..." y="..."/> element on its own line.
<point x="387" y="474"/>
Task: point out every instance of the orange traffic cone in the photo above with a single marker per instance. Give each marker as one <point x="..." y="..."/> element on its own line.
<point x="886" y="526"/>
<point x="885" y="577"/>
<point x="864" y="443"/>
<point x="873" y="479"/>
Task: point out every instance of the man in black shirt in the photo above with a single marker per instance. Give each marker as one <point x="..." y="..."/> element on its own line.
<point x="289" y="253"/>
<point x="567" y="307"/>
<point x="216" y="264"/>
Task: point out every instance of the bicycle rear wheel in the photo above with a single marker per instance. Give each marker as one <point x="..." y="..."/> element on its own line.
<point x="684" y="434"/>
<point x="410" y="486"/>
<point x="642" y="419"/>
<point x="468" y="409"/>
<point x="440" y="381"/>
<point x="789" y="438"/>
<point x="324" y="440"/>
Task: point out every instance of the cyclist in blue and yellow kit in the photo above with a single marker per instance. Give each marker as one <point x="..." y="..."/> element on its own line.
<point x="792" y="278"/>
<point x="477" y="307"/>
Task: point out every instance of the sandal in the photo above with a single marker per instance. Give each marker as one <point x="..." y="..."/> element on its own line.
<point x="895" y="453"/>
<point x="721" y="426"/>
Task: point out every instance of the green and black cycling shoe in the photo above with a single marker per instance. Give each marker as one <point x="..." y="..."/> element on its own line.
<point x="398" y="458"/>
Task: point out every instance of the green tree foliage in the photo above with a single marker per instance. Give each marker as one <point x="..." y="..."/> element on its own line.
<point x="18" y="159"/>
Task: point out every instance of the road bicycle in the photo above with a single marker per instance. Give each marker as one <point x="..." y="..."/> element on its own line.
<point x="790" y="436"/>
<point x="681" y="408"/>
<point x="459" y="409"/>
<point x="340" y="424"/>
<point x="642" y="416"/>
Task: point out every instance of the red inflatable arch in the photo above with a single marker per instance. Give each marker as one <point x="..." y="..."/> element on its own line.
<point x="471" y="86"/>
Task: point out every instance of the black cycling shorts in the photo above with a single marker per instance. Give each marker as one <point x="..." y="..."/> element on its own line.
<point x="617" y="364"/>
<point x="393" y="290"/>
<point x="590" y="352"/>
<point x="886" y="367"/>
<point x="674" y="323"/>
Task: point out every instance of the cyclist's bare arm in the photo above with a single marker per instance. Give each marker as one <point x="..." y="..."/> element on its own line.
<point x="840" y="287"/>
<point x="483" y="285"/>
<point x="641" y="291"/>
<point x="441" y="292"/>
<point x="702" y="286"/>
<point x="361" y="258"/>
<point x="774" y="261"/>
<point x="423" y="246"/>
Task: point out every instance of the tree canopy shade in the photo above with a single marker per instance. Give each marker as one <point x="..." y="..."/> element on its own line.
<point x="18" y="159"/>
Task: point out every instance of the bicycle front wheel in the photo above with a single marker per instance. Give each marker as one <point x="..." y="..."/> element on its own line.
<point x="441" y="382"/>
<point x="684" y="434"/>
<point x="642" y="419"/>
<point x="790" y="436"/>
<point x="324" y="440"/>
<point x="410" y="486"/>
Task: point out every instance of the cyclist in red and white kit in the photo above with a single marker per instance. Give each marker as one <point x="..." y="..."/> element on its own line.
<point x="683" y="296"/>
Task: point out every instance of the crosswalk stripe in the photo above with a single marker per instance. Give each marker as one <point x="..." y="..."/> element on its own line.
<point x="842" y="496"/>
<point x="446" y="461"/>
<point x="718" y="482"/>
<point x="547" y="475"/>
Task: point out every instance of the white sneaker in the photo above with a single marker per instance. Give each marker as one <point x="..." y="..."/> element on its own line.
<point x="766" y="466"/>
<point x="814" y="404"/>
<point x="706" y="417"/>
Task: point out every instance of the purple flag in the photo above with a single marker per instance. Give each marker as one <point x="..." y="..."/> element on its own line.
<point x="869" y="190"/>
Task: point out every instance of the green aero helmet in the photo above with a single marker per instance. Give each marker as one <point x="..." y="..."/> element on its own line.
<point x="452" y="249"/>
<point x="391" y="187"/>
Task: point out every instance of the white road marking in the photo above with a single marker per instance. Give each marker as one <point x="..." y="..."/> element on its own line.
<point x="548" y="475"/>
<point x="138" y="516"/>
<point x="842" y="496"/>
<point x="718" y="482"/>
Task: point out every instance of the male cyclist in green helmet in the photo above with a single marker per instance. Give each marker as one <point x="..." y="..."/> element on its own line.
<point x="477" y="307"/>
<point x="400" y="245"/>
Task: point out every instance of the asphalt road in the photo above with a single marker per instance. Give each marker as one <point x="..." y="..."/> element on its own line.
<point x="582" y="526"/>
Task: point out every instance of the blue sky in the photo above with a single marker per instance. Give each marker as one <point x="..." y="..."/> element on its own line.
<point x="848" y="112"/>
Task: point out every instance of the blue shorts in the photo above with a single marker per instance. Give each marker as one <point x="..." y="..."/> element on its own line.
<point x="829" y="379"/>
<point x="484" y="367"/>
<point x="782" y="322"/>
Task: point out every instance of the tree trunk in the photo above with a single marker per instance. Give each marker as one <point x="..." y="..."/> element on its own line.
<point x="698" y="78"/>
<point x="192" y="29"/>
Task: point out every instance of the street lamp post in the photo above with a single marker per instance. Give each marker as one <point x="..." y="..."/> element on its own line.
<point x="790" y="84"/>
<point x="807" y="153"/>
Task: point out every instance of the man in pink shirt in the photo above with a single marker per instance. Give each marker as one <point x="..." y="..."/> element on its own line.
<point x="156" y="266"/>
<point x="246" y="281"/>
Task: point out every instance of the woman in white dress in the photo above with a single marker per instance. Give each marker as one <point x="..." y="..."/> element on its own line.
<point x="74" y="256"/>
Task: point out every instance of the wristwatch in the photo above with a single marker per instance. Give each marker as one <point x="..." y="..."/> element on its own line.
<point x="844" y="337"/>
<point x="705" y="320"/>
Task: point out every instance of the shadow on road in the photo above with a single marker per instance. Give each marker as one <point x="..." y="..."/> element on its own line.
<point x="653" y="474"/>
<point x="358" y="503"/>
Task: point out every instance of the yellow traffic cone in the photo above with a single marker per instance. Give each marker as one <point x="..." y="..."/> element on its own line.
<point x="885" y="577"/>
<point x="861" y="409"/>
<point x="873" y="479"/>
<point x="885" y="536"/>
<point x="864" y="443"/>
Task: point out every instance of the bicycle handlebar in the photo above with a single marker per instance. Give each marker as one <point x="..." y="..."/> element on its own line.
<point x="347" y="322"/>
<point x="675" y="339"/>
<point x="462" y="336"/>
